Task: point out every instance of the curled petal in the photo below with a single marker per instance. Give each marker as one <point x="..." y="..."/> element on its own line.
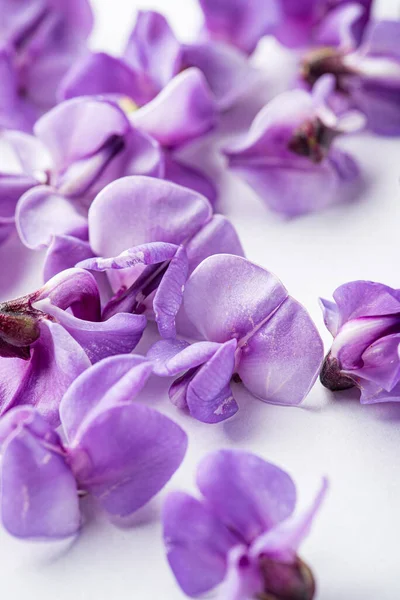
<point x="111" y="381"/>
<point x="171" y="357"/>
<point x="144" y="450"/>
<point x="196" y="116"/>
<point x="42" y="213"/>
<point x="145" y="254"/>
<point x="260" y="494"/>
<point x="39" y="496"/>
<point x="365" y="299"/>
<point x="197" y="543"/>
<point x="280" y="362"/>
<point x="64" y="252"/>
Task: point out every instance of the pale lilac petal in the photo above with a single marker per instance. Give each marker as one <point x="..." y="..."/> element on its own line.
<point x="253" y="295"/>
<point x="15" y="113"/>
<point x="227" y="71"/>
<point x="120" y="334"/>
<point x="153" y="49"/>
<point x="283" y="541"/>
<point x="382" y="39"/>
<point x="169" y="294"/>
<point x="144" y="210"/>
<point x="331" y="315"/>
<point x="197" y="543"/>
<point x="337" y="29"/>
<point x="42" y="213"/>
<point x="99" y="74"/>
<point x="64" y="252"/>
<point x="28" y="417"/>
<point x="39" y="496"/>
<point x="365" y="299"/>
<point x="282" y="359"/>
<point x="55" y="363"/>
<point x="373" y="393"/>
<point x="209" y="396"/>
<point x="114" y="380"/>
<point x="240" y="23"/>
<point x="195" y="117"/>
<point x="144" y="448"/>
<point x="248" y="494"/>
<point x="243" y="578"/>
<point x="171" y="357"/>
<point x="189" y="177"/>
<point x="146" y="254"/>
<point x="379" y="100"/>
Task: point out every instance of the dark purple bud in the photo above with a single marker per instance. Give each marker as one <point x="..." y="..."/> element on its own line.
<point x="312" y="140"/>
<point x="332" y="377"/>
<point x="286" y="581"/>
<point x="19" y="328"/>
<point x="321" y="62"/>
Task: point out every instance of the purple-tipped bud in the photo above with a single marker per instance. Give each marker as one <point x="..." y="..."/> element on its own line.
<point x="286" y="581"/>
<point x="332" y="377"/>
<point x="19" y="328"/>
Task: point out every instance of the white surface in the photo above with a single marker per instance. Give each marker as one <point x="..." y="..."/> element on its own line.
<point x="354" y="546"/>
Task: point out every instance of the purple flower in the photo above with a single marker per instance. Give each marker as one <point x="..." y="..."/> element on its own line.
<point x="255" y="333"/>
<point x="365" y="323"/>
<point x="150" y="235"/>
<point x="240" y="23"/>
<point x="241" y="534"/>
<point x="367" y="79"/>
<point x="322" y="22"/>
<point x="290" y="157"/>
<point x="152" y="59"/>
<point x="78" y="148"/>
<point x="39" y="40"/>
<point x="116" y="450"/>
<point x="44" y="346"/>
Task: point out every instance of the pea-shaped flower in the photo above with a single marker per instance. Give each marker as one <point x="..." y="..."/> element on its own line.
<point x="149" y="235"/>
<point x="365" y="323"/>
<point x="241" y="534"/>
<point x="255" y="333"/>
<point x="116" y="450"/>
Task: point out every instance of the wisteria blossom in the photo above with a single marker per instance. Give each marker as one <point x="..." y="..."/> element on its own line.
<point x="39" y="41"/>
<point x="241" y="536"/>
<point x="78" y="148"/>
<point x="367" y="78"/>
<point x="365" y="323"/>
<point x="149" y="235"/>
<point x="337" y="23"/>
<point x="251" y="331"/>
<point x="153" y="57"/>
<point x="44" y="346"/>
<point x="290" y="156"/>
<point x="116" y="450"/>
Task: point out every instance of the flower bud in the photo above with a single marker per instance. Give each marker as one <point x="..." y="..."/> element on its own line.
<point x="19" y="328"/>
<point x="286" y="581"/>
<point x="332" y="377"/>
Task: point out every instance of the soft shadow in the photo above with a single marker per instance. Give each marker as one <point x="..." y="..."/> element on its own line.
<point x="385" y="411"/>
<point x="251" y="416"/>
<point x="149" y="513"/>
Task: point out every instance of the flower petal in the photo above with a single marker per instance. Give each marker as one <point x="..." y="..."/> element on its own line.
<point x="64" y="252"/>
<point x="196" y="116"/>
<point x="171" y="357"/>
<point x="189" y="177"/>
<point x="111" y="381"/>
<point x="197" y="543"/>
<point x="281" y="361"/>
<point x="144" y="450"/>
<point x="365" y="298"/>
<point x="228" y="296"/>
<point x="39" y="496"/>
<point x="248" y="494"/>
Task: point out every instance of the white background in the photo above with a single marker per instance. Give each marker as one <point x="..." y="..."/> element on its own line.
<point x="354" y="548"/>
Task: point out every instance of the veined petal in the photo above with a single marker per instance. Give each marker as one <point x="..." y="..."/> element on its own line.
<point x="196" y="116"/>
<point x="42" y="213"/>
<point x="143" y="451"/>
<point x="111" y="381"/>
<point x="248" y="494"/>
<point x="145" y="254"/>
<point x="197" y="543"/>
<point x="171" y="357"/>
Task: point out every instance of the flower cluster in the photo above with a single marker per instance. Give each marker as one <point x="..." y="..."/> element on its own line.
<point x="97" y="174"/>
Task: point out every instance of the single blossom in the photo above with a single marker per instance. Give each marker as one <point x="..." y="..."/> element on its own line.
<point x="242" y="534"/>
<point x="39" y="41"/>
<point x="149" y="235"/>
<point x="337" y="23"/>
<point x="367" y="78"/>
<point x="78" y="148"/>
<point x="116" y="450"/>
<point x="153" y="57"/>
<point x="51" y="336"/>
<point x="365" y="323"/>
<point x="251" y="331"/>
<point x="240" y="23"/>
<point x="290" y="156"/>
